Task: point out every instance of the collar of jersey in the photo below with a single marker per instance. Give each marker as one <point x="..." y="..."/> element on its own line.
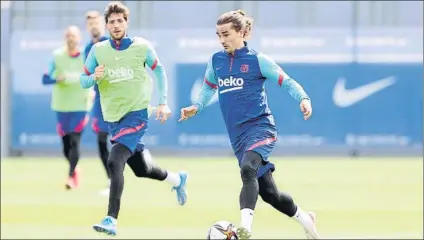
<point x="75" y="55"/>
<point x="124" y="44"/>
<point x="241" y="51"/>
<point x="101" y="39"/>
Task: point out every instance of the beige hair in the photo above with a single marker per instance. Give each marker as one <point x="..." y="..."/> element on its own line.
<point x="92" y="15"/>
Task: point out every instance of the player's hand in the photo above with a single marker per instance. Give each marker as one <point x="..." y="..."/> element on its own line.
<point x="162" y="112"/>
<point x="188" y="112"/>
<point x="306" y="108"/>
<point x="60" y="79"/>
<point x="99" y="72"/>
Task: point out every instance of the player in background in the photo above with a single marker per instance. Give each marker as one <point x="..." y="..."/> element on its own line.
<point x="239" y="73"/>
<point x="96" y="29"/>
<point x="70" y="102"/>
<point x="117" y="66"/>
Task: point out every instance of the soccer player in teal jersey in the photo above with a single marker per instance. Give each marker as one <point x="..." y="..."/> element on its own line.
<point x="70" y="102"/>
<point x="238" y="74"/>
<point x="117" y="66"/>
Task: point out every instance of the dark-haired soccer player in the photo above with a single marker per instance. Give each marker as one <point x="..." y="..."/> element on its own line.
<point x="117" y="66"/>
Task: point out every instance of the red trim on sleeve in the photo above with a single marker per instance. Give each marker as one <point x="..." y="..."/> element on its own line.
<point x="86" y="71"/>
<point x="280" y="79"/>
<point x="155" y="64"/>
<point x="211" y="84"/>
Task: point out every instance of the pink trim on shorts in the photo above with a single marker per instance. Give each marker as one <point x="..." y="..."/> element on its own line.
<point x="126" y="131"/>
<point x="59" y="130"/>
<point x="261" y="143"/>
<point x="95" y="125"/>
<point x="81" y="125"/>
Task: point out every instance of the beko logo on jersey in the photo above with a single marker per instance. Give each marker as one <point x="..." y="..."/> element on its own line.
<point x="233" y="83"/>
<point x="230" y="82"/>
<point x="120" y="74"/>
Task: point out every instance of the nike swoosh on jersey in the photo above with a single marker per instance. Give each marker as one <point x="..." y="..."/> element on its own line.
<point x="195" y="91"/>
<point x="343" y="97"/>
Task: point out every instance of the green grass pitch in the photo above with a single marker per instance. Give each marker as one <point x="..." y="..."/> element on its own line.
<point x="352" y="198"/>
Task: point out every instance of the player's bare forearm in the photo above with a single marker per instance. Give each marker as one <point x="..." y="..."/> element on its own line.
<point x="205" y="97"/>
<point x="294" y="89"/>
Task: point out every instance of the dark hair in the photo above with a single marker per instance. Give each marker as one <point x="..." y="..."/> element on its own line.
<point x="92" y="15"/>
<point x="116" y="7"/>
<point x="239" y="19"/>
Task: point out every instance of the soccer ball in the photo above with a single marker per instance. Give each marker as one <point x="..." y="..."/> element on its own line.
<point x="222" y="230"/>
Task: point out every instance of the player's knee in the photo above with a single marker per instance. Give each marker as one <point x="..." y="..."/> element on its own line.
<point x="74" y="139"/>
<point x="117" y="158"/>
<point x="115" y="164"/>
<point x="66" y="145"/>
<point x="250" y="165"/>
<point x="247" y="171"/>
<point x="139" y="167"/>
<point x="112" y="165"/>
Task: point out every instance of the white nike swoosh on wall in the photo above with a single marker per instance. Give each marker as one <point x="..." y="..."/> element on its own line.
<point x="195" y="91"/>
<point x="343" y="97"/>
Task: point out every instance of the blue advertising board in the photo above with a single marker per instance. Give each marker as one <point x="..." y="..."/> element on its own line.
<point x="363" y="95"/>
<point x="371" y="105"/>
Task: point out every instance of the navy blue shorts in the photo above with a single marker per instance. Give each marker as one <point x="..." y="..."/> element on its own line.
<point x="68" y="122"/>
<point x="129" y="131"/>
<point x="98" y="124"/>
<point x="260" y="140"/>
